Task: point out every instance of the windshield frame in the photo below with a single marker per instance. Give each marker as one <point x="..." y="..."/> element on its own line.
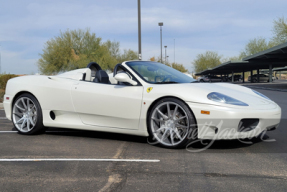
<point x="157" y="83"/>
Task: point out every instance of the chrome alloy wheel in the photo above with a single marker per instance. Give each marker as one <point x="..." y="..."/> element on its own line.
<point x="24" y="114"/>
<point x="169" y="123"/>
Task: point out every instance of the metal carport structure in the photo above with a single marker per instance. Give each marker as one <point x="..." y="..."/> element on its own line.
<point x="268" y="59"/>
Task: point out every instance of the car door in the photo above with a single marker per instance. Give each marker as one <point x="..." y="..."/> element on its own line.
<point x="108" y="105"/>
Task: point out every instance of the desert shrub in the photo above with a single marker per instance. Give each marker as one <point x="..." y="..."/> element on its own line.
<point x="4" y="79"/>
<point x="2" y="93"/>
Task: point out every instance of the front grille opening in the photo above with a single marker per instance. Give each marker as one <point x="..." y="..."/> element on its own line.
<point x="247" y="125"/>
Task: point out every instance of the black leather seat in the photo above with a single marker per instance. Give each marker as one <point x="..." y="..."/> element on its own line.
<point x="101" y="77"/>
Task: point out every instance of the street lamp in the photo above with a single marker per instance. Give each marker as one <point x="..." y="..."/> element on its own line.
<point x="160" y="24"/>
<point x="165" y="53"/>
<point x="139" y="30"/>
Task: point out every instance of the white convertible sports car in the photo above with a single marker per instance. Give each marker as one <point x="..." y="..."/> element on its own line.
<point x="140" y="98"/>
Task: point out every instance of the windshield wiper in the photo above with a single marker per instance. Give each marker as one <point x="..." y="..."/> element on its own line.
<point x="166" y="82"/>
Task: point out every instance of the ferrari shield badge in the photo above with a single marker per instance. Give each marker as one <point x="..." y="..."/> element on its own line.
<point x="149" y="89"/>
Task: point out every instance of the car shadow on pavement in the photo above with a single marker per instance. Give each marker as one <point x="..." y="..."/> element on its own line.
<point x="210" y="145"/>
<point x="227" y="144"/>
<point x="96" y="135"/>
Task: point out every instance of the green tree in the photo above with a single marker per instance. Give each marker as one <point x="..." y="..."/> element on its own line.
<point x="206" y="60"/>
<point x="114" y="48"/>
<point x="176" y="66"/>
<point x="280" y="30"/>
<point x="256" y="45"/>
<point x="179" y="67"/>
<point x="74" y="49"/>
<point x="127" y="55"/>
<point x="234" y="58"/>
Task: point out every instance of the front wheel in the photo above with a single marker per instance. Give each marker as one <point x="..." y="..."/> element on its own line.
<point x="171" y="123"/>
<point x="27" y="115"/>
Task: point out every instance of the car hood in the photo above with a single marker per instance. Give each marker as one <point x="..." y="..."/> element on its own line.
<point x="197" y="92"/>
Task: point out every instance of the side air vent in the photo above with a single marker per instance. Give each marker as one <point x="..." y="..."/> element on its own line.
<point x="52" y="115"/>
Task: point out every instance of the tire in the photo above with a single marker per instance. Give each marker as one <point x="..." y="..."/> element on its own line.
<point x="201" y="80"/>
<point x="27" y="115"/>
<point x="171" y="123"/>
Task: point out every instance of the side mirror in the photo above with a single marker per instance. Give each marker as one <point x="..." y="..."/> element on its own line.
<point x="123" y="77"/>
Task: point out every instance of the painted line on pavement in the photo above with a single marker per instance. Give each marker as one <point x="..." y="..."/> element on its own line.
<point x="101" y="160"/>
<point x="45" y="131"/>
<point x="8" y="131"/>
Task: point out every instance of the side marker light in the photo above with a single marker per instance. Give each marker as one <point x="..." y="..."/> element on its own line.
<point x="205" y="112"/>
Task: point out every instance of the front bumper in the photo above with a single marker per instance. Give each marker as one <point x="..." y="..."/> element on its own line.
<point x="223" y="122"/>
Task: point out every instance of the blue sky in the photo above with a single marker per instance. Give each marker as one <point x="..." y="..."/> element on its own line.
<point x="224" y="26"/>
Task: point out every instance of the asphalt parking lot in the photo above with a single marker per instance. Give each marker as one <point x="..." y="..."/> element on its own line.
<point x="225" y="166"/>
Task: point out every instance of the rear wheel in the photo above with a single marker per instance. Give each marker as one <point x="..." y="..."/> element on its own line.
<point x="27" y="115"/>
<point x="171" y="123"/>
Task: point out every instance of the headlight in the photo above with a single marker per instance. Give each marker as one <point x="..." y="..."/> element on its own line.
<point x="218" y="97"/>
<point x="260" y="94"/>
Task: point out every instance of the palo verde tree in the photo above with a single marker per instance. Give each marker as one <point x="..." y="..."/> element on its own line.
<point x="256" y="45"/>
<point x="114" y="49"/>
<point x="280" y="30"/>
<point x="74" y="49"/>
<point x="176" y="66"/>
<point x="260" y="44"/>
<point x="206" y="60"/>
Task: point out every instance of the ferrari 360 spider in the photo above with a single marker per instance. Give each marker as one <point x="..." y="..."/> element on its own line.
<point x="141" y="98"/>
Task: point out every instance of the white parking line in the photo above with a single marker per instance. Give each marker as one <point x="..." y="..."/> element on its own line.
<point x="45" y="131"/>
<point x="102" y="160"/>
<point x="8" y="131"/>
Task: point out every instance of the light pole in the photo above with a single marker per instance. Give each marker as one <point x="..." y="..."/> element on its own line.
<point x="160" y="24"/>
<point x="139" y="29"/>
<point x="165" y="53"/>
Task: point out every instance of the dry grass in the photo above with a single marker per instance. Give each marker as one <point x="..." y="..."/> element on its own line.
<point x="2" y="92"/>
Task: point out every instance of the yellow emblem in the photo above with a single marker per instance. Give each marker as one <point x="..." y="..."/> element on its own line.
<point x="149" y="89"/>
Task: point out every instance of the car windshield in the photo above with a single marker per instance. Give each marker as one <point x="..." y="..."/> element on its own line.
<point x="157" y="73"/>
